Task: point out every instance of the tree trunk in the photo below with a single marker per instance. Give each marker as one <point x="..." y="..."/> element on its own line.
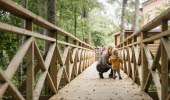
<point x="41" y="10"/>
<point x="136" y="19"/>
<point x="86" y="15"/>
<point x="75" y="22"/>
<point x="60" y="17"/>
<point x="122" y="27"/>
<point x="51" y="17"/>
<point x="21" y="40"/>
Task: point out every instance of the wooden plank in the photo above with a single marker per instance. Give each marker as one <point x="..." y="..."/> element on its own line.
<point x="51" y="84"/>
<point x="79" y="53"/>
<point x="148" y="82"/>
<point x="70" y="71"/>
<point x="129" y="63"/>
<point x="12" y="90"/>
<point x="168" y="97"/>
<point x="158" y="36"/>
<point x="72" y="45"/>
<point x="11" y="69"/>
<point x="144" y="61"/>
<point x="66" y="77"/>
<point x="43" y="75"/>
<point x="19" y="11"/>
<point x="156" y="58"/>
<point x="68" y="65"/>
<point x="71" y="68"/>
<point x="164" y="60"/>
<point x="36" y="70"/>
<point x="30" y="65"/>
<point x="125" y="66"/>
<point x="50" y="55"/>
<point x="155" y="75"/>
<point x="166" y="43"/>
<point x="59" y="75"/>
<point x="75" y="63"/>
<point x="144" y="69"/>
<point x="134" y="63"/>
<point x="71" y="58"/>
<point x="164" y="72"/>
<point x="30" y="73"/>
<point x="52" y="78"/>
<point x="39" y="57"/>
<point x="59" y="58"/>
<point x="136" y="53"/>
<point x="39" y="85"/>
<point x="82" y="60"/>
<point x="13" y="66"/>
<point x="65" y="54"/>
<point x="80" y="89"/>
<point x="20" y="31"/>
<point x="53" y="71"/>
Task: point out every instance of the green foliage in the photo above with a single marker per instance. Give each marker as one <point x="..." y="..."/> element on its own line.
<point x="98" y="38"/>
<point x="162" y="9"/>
<point x="101" y="28"/>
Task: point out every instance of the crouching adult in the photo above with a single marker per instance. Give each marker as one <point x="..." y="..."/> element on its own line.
<point x="103" y="64"/>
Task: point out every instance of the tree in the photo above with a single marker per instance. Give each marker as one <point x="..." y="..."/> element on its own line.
<point x="42" y="12"/>
<point x="51" y="17"/>
<point x="21" y="41"/>
<point x="122" y="27"/>
<point x="136" y="19"/>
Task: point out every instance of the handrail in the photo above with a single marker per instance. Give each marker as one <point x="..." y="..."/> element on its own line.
<point x="152" y="24"/>
<point x="146" y="56"/>
<point x="21" y="12"/>
<point x="54" y="67"/>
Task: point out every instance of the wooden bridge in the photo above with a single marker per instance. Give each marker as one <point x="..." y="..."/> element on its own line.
<point x="144" y="65"/>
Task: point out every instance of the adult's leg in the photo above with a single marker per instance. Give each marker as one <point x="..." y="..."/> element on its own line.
<point x="100" y="69"/>
<point x="111" y="74"/>
<point x="105" y="69"/>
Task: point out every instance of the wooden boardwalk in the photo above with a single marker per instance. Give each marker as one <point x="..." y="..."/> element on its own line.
<point x="88" y="86"/>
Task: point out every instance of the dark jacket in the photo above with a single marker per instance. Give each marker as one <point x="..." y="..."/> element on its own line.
<point x="103" y="64"/>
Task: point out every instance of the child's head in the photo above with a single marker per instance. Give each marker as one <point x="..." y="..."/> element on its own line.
<point x="115" y="51"/>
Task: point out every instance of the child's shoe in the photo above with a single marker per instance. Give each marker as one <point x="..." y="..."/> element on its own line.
<point x="114" y="77"/>
<point x="120" y="78"/>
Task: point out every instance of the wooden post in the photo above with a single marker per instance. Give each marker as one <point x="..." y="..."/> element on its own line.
<point x="75" y="59"/>
<point x="30" y="65"/>
<point x="68" y="58"/>
<point x="115" y="40"/>
<point x="53" y="66"/>
<point x="164" y="65"/>
<point x="134" y="59"/>
<point x="144" y="62"/>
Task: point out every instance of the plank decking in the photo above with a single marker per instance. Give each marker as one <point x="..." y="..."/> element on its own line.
<point x="88" y="86"/>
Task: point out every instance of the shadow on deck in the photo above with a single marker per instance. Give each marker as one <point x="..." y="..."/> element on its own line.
<point x="88" y="86"/>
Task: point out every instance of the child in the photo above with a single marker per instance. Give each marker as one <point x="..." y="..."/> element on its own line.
<point x="115" y="61"/>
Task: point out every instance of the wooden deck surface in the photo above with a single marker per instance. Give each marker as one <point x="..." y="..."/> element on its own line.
<point x="88" y="86"/>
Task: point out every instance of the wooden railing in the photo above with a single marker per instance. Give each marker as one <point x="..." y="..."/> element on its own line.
<point x="54" y="68"/>
<point x="144" y="66"/>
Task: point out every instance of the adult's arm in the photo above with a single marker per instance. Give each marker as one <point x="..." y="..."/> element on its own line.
<point x="105" y="61"/>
